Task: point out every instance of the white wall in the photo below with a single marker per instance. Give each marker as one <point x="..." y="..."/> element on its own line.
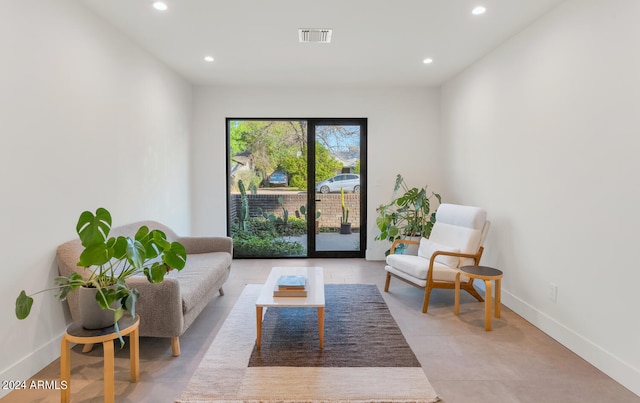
<point x="544" y="133"/>
<point x="402" y="128"/>
<point x="541" y="132"/>
<point x="87" y="119"/>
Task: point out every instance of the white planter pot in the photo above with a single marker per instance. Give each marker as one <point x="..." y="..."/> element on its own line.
<point x="92" y="315"/>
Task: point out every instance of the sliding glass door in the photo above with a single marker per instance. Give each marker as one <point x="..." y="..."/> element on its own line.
<point x="296" y="187"/>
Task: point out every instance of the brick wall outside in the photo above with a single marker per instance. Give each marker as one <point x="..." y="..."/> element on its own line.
<point x="329" y="205"/>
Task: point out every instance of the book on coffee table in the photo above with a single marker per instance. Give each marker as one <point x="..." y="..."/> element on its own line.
<point x="291" y="286"/>
<point x="292" y="282"/>
<point x="290" y="293"/>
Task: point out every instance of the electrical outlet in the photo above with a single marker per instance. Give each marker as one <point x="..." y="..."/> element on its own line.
<point x="553" y="292"/>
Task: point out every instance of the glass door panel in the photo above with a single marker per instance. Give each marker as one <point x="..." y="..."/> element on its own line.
<point x="267" y="198"/>
<point x="339" y="187"/>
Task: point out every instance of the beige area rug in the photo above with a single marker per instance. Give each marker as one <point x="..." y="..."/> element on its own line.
<point x="233" y="371"/>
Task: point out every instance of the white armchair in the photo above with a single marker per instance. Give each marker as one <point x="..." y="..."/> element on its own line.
<point x="456" y="240"/>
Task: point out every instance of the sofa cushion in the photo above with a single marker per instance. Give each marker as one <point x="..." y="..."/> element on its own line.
<point x="428" y="248"/>
<point x="199" y="275"/>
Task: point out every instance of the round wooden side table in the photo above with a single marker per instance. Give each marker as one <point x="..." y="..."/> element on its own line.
<point x="77" y="334"/>
<point x="485" y="274"/>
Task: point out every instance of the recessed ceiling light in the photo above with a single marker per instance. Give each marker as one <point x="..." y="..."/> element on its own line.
<point x="479" y="10"/>
<point x="428" y="60"/>
<point x="208" y="59"/>
<point x="161" y="6"/>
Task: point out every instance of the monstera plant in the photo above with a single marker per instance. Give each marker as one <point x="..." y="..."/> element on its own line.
<point x="111" y="260"/>
<point x="407" y="215"/>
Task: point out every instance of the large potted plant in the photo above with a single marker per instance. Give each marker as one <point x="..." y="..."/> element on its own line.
<point x="110" y="261"/>
<point x="407" y="215"/>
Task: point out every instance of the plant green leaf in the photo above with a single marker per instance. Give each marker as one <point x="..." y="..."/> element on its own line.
<point x="68" y="284"/>
<point x="117" y="314"/>
<point x="155" y="273"/>
<point x="119" y="246"/>
<point x="383" y="222"/>
<point x="154" y="243"/>
<point x="158" y="244"/>
<point x="142" y="234"/>
<point x="94" y="229"/>
<point x="176" y="256"/>
<point x="129" y="302"/>
<point x="160" y="239"/>
<point x="106" y="297"/>
<point x="399" y="181"/>
<point x="135" y="253"/>
<point x="23" y="305"/>
<point x="95" y="255"/>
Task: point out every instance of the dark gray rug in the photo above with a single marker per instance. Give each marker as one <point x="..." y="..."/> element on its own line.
<point x="359" y="332"/>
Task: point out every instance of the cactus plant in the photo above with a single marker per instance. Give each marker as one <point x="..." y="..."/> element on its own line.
<point x="303" y="211"/>
<point x="278" y="220"/>
<point x="285" y="212"/>
<point x="243" y="215"/>
<point x="345" y="225"/>
<point x="345" y="210"/>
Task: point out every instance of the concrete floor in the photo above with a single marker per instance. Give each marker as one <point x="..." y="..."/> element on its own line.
<point x="515" y="362"/>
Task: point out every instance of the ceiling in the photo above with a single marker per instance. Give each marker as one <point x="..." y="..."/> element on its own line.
<point x="374" y="42"/>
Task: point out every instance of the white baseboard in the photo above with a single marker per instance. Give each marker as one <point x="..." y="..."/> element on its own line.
<point x="31" y="364"/>
<point x="613" y="366"/>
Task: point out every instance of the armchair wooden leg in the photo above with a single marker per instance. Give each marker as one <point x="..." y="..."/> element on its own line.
<point x="456" y="298"/>
<point x="427" y="294"/>
<point x="221" y="291"/>
<point x="175" y="346"/>
<point x="386" y="283"/>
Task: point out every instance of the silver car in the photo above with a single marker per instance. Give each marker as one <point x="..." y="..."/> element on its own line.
<point x="349" y="182"/>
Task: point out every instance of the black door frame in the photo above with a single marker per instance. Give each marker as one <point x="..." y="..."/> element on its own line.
<point x="311" y="191"/>
<point x="311" y="200"/>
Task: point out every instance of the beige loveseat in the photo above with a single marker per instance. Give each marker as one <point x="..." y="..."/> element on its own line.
<point x="166" y="309"/>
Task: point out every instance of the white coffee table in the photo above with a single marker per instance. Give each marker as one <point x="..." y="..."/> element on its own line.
<point x="314" y="298"/>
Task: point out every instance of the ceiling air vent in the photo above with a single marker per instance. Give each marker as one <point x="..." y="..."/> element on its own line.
<point x="315" y="35"/>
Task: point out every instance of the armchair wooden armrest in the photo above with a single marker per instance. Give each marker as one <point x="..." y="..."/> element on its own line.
<point x="476" y="256"/>
<point x="399" y="241"/>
